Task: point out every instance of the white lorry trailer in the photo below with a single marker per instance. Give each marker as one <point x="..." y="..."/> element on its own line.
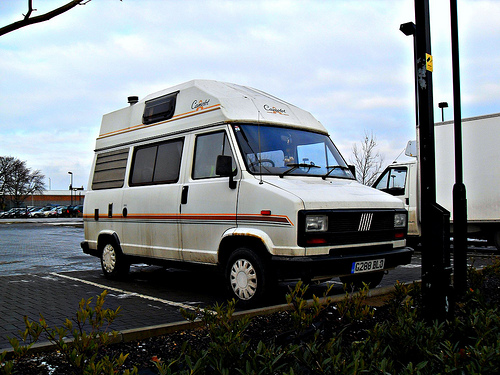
<point x="481" y="176"/>
<point x="216" y="174"/>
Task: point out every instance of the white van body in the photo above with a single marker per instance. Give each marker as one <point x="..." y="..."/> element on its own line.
<point x="480" y="174"/>
<point x="279" y="202"/>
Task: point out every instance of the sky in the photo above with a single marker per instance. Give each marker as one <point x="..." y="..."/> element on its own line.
<point x="346" y="62"/>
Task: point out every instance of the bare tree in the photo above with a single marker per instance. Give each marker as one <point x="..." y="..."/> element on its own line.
<point x="367" y="160"/>
<point x="28" y="20"/>
<point x="18" y="181"/>
<point x="5" y="170"/>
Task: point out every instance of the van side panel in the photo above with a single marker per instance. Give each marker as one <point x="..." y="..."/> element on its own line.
<point x="151" y="226"/>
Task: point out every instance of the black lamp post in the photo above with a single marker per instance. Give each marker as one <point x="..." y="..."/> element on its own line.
<point x="442" y="105"/>
<point x="71" y="186"/>
<point x="409" y="28"/>
<point x="436" y="269"/>
<point x="459" y="191"/>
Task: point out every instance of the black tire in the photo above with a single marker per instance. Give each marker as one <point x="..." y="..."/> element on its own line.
<point x="113" y="262"/>
<point x="246" y="277"/>
<point x="356" y="281"/>
<point x="496" y="239"/>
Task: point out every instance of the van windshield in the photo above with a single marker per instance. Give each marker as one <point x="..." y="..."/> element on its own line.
<point x="274" y="150"/>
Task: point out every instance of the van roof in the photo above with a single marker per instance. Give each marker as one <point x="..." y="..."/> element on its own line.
<point x="199" y="103"/>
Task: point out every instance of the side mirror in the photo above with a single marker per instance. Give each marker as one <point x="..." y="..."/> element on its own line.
<point x="224" y="168"/>
<point x="352" y="168"/>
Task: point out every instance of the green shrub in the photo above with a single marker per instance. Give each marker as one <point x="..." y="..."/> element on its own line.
<point x="89" y="332"/>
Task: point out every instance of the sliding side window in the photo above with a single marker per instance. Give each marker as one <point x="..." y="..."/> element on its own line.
<point x="158" y="163"/>
<point x="109" y="171"/>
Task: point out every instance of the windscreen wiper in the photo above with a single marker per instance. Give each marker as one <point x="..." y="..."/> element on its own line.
<point x="294" y="166"/>
<point x="332" y="168"/>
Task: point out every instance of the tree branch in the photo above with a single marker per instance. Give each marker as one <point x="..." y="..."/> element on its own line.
<point x="28" y="20"/>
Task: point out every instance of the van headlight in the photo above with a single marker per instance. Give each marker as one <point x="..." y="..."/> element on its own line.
<point x="400" y="220"/>
<point x="316" y="223"/>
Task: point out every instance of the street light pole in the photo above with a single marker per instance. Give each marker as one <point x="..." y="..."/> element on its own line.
<point x="459" y="191"/>
<point x="436" y="271"/>
<point x="442" y="105"/>
<point x="71" y="186"/>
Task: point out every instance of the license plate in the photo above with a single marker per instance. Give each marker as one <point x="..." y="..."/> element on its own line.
<point x="367" y="265"/>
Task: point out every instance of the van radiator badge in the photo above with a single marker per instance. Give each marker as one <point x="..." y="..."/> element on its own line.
<point x="366" y="222"/>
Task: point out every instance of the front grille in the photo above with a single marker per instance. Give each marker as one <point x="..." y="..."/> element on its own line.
<point x="346" y="227"/>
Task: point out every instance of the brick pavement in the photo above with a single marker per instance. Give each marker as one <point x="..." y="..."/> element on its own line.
<point x="57" y="298"/>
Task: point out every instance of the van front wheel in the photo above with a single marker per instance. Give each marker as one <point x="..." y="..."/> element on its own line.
<point x="245" y="275"/>
<point x="113" y="263"/>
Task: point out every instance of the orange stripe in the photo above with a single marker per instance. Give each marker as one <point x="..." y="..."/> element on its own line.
<point x="176" y="117"/>
<point x="281" y="219"/>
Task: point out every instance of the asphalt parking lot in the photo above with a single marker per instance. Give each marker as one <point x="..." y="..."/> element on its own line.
<point x="43" y="271"/>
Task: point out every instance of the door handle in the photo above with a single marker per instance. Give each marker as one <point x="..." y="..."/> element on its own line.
<point x="184" y="195"/>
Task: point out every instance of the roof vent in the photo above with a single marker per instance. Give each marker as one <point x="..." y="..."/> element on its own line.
<point x="133" y="99"/>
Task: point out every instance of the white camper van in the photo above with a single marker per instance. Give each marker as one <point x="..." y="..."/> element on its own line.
<point x="227" y="176"/>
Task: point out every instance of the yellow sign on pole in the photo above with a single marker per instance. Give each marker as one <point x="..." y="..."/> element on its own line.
<point x="428" y="62"/>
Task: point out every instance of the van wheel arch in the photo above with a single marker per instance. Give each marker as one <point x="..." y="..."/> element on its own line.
<point x="231" y="243"/>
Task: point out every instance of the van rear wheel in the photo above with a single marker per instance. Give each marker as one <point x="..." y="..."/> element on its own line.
<point x="113" y="263"/>
<point x="246" y="277"/>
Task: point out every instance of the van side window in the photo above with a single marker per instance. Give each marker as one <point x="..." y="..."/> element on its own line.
<point x="208" y="147"/>
<point x="159" y="109"/>
<point x="109" y="171"/>
<point x="157" y="164"/>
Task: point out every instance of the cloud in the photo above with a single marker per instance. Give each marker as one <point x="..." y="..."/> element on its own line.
<point x="344" y="61"/>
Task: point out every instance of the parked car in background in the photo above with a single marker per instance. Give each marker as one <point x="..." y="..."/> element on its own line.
<point x="52" y="212"/>
<point x="7" y="213"/>
<point x="76" y="211"/>
<point x="21" y="212"/>
<point x="16" y="212"/>
<point x="40" y="212"/>
<point x="32" y="209"/>
<point x="64" y="211"/>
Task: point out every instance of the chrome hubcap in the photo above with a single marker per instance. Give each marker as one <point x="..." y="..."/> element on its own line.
<point x="109" y="258"/>
<point x="243" y="279"/>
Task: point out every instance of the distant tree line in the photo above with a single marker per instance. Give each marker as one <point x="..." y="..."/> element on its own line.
<point x="17" y="181"/>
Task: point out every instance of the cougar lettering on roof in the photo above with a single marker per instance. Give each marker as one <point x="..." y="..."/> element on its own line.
<point x="273" y="109"/>
<point x="199" y="104"/>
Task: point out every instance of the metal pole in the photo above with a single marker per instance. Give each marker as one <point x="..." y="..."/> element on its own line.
<point x="434" y="219"/>
<point x="426" y="122"/>
<point x="459" y="192"/>
<point x="71" y="186"/>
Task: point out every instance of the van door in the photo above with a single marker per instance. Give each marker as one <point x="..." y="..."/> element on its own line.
<point x="151" y="202"/>
<point x="208" y="204"/>
<point x="393" y="181"/>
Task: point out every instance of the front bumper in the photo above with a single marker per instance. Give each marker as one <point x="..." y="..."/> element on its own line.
<point x="322" y="266"/>
<point x="87" y="250"/>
